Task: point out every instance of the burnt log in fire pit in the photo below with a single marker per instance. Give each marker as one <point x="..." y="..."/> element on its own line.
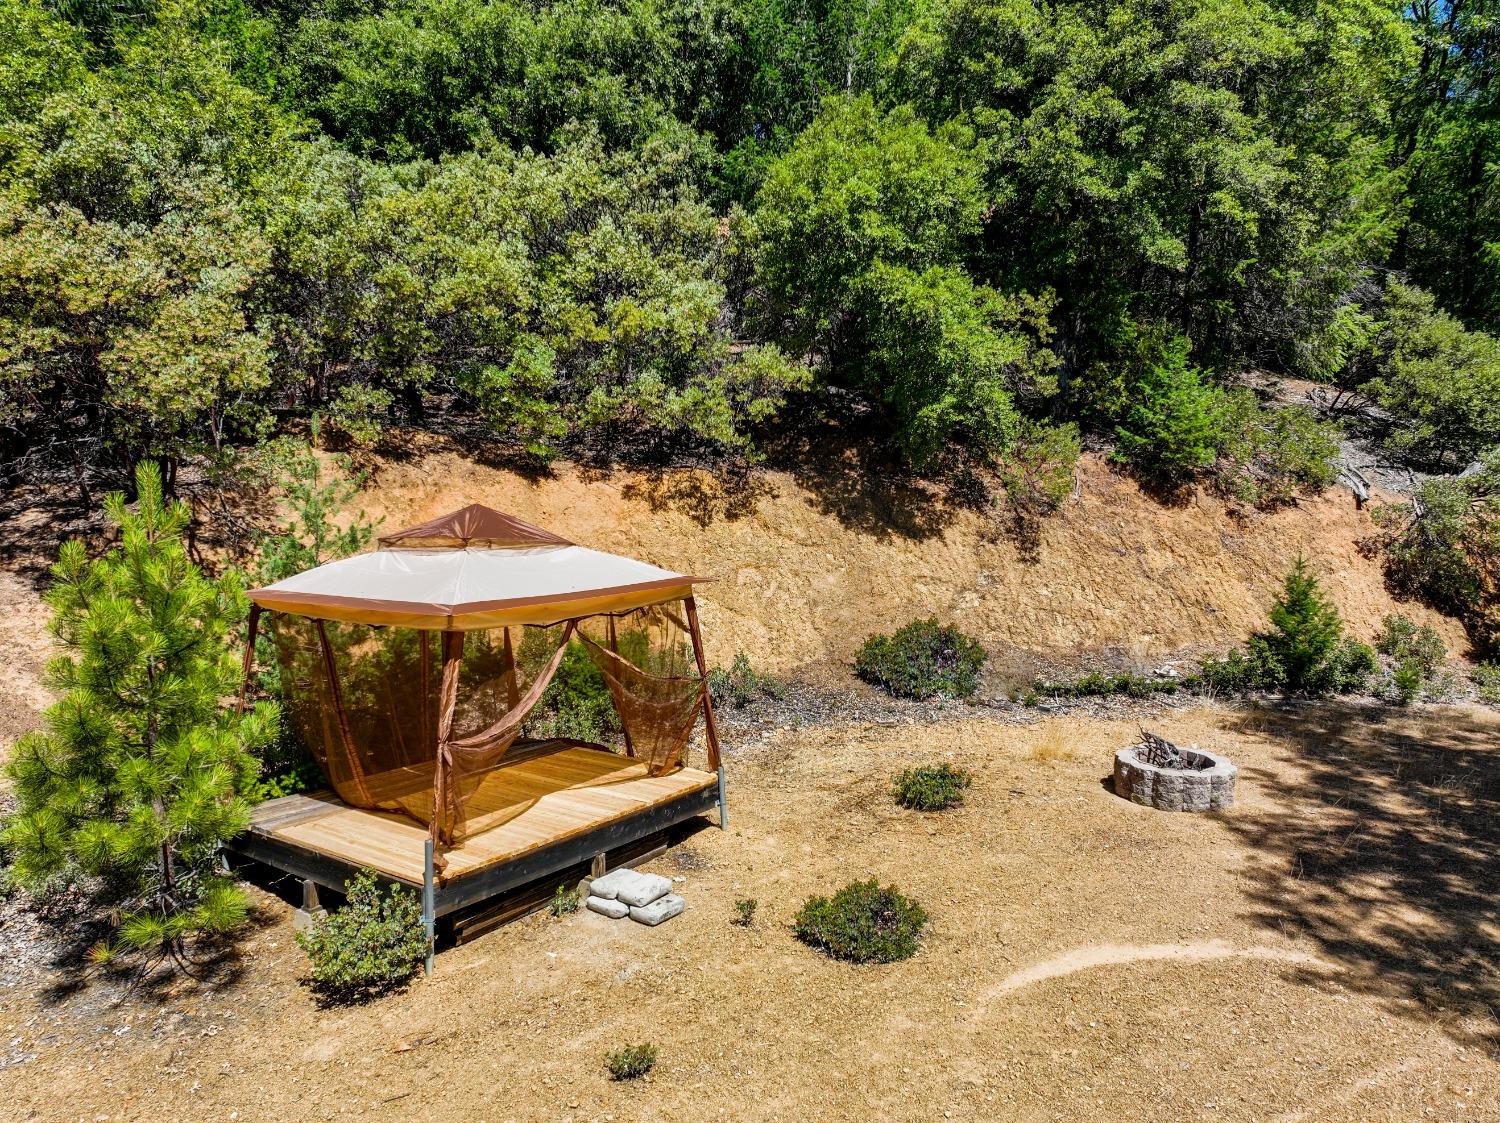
<point x="1157" y="773"/>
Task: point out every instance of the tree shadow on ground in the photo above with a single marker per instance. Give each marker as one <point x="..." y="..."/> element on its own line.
<point x="1384" y="854"/>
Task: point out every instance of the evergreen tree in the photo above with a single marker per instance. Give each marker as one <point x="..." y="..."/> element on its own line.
<point x="1171" y="425"/>
<point x="136" y="778"/>
<point x="1305" y="626"/>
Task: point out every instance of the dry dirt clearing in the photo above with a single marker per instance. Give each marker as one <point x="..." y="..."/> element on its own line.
<point x="1326" y="951"/>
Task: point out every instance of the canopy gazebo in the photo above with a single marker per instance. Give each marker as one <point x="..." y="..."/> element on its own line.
<point x="412" y="673"/>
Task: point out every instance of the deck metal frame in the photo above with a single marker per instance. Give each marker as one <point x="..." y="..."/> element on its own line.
<point x="441" y="898"/>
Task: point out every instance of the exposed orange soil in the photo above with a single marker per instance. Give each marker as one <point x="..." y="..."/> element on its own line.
<point x="1327" y="951"/>
<point x="807" y="566"/>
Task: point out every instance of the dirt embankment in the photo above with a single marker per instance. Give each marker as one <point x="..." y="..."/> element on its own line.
<point x="807" y="566"/>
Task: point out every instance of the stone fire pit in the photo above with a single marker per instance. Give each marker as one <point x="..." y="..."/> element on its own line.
<point x="1157" y="773"/>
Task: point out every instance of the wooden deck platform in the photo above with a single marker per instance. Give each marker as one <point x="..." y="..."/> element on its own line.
<point x="545" y="811"/>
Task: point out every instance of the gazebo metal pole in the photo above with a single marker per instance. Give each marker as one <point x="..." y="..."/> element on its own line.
<point x="710" y="726"/>
<point x="429" y="902"/>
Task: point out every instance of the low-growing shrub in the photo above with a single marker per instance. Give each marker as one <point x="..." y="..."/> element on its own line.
<point x="373" y="944"/>
<point x="932" y="787"/>
<point x="863" y="923"/>
<point x="1486" y="678"/>
<point x="744" y="912"/>
<point x="565" y="901"/>
<point x="1101" y="684"/>
<point x="741" y="685"/>
<point x="921" y="660"/>
<point x="577" y="702"/>
<point x="1404" y="642"/>
<point x="631" y="1062"/>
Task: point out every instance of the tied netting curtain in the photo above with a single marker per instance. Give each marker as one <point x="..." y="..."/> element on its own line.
<point x="412" y="721"/>
<point x="646" y="659"/>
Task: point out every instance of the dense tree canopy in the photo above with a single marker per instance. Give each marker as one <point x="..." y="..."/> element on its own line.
<point x="646" y="226"/>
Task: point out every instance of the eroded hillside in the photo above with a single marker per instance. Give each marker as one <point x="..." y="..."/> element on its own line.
<point x="807" y="565"/>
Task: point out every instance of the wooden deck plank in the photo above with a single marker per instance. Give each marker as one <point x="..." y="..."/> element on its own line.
<point x="517" y="809"/>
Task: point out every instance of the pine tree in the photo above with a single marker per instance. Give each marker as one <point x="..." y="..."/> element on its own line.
<point x="1306" y="626"/>
<point x="136" y="777"/>
<point x="1171" y="424"/>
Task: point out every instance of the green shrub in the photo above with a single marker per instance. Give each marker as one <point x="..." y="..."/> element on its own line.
<point x="1101" y="684"/>
<point x="1402" y="640"/>
<point x="742" y="684"/>
<point x="631" y="1062"/>
<point x="933" y="787"/>
<point x="744" y="913"/>
<point x="564" y="901"/>
<point x="577" y="702"/>
<point x="921" y="660"/>
<point x="1303" y="652"/>
<point x="863" y="923"/>
<point x="1268" y="454"/>
<point x="1407" y="679"/>
<point x="1486" y="678"/>
<point x="371" y="945"/>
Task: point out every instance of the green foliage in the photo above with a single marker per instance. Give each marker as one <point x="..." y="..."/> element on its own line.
<point x="857" y="234"/>
<point x="742" y="685"/>
<point x="1444" y="548"/>
<point x="1486" y="678"/>
<point x="1267" y="455"/>
<point x="922" y="659"/>
<point x="863" y="922"/>
<point x="374" y="944"/>
<point x="1404" y="641"/>
<point x="1407" y="680"/>
<point x="631" y="1062"/>
<point x="1037" y="472"/>
<point x="1440" y="382"/>
<point x="139" y="773"/>
<point x="577" y="702"/>
<point x="744" y="912"/>
<point x="1102" y="684"/>
<point x="565" y="901"/>
<point x="1170" y="424"/>
<point x="933" y="787"/>
<point x="1303" y="652"/>
<point x="316" y="491"/>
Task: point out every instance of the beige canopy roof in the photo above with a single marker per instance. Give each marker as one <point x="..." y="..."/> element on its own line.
<point x="473" y="568"/>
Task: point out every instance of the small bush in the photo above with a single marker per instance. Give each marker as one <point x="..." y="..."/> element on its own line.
<point x="1404" y="642"/>
<point x="744" y="913"/>
<point x="921" y="660"/>
<point x="1268" y="454"/>
<point x="933" y="787"/>
<point x="1303" y="652"/>
<point x="564" y="901"/>
<point x="577" y="702"/>
<point x="862" y="923"/>
<point x="1407" y="680"/>
<point x="742" y="684"/>
<point x="631" y="1062"/>
<point x="1099" y="684"/>
<point x="373" y="944"/>
<point x="1486" y="678"/>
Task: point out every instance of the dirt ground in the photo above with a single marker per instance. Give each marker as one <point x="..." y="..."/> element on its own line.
<point x="1328" y="950"/>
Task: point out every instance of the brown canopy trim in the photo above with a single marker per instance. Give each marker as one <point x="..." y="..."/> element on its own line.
<point x="474" y="525"/>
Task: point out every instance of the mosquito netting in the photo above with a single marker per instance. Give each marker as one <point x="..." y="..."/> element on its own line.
<point x="392" y="732"/>
<point x="413" y="672"/>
